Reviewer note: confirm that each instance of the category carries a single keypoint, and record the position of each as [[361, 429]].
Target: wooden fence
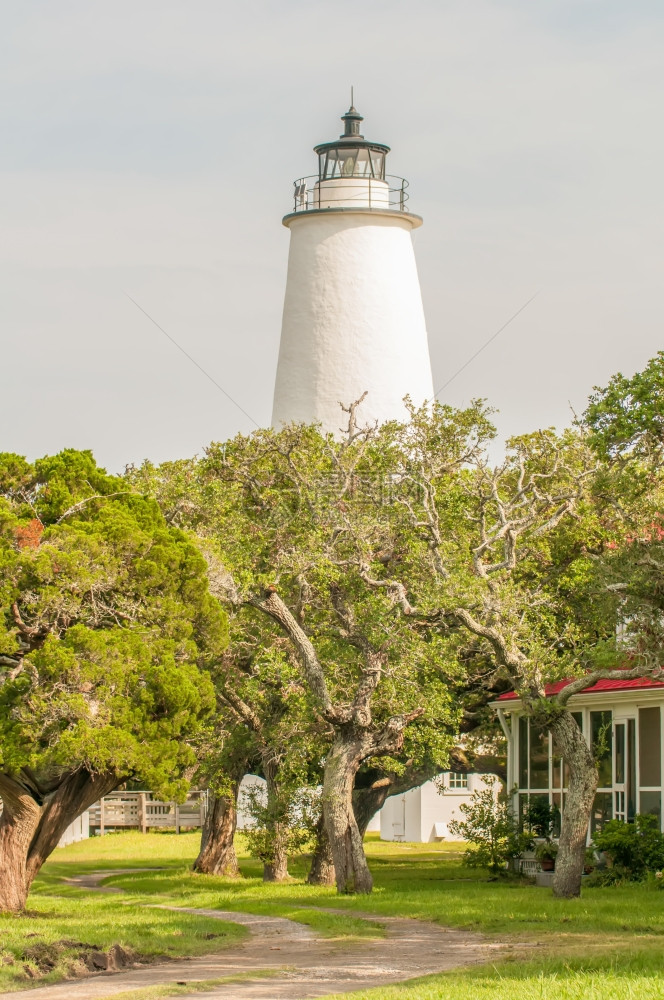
[[122, 810]]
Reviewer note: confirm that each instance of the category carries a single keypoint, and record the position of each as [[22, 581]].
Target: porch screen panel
[[556, 770], [620, 753], [523, 752], [539, 757], [650, 747], [631, 768], [602, 811], [651, 803], [601, 742]]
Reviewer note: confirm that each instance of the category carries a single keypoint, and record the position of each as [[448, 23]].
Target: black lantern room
[[351, 155]]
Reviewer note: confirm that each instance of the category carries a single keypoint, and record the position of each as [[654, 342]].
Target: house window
[[533, 755], [629, 759], [458, 780], [523, 751], [651, 804], [541, 770], [534, 751]]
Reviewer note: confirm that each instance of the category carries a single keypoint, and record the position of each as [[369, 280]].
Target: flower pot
[[547, 864]]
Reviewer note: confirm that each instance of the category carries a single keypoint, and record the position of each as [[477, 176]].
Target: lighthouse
[[353, 321]]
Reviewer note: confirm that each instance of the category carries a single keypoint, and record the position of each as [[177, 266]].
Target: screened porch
[[627, 743]]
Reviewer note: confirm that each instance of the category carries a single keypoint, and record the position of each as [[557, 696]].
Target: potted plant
[[546, 855]]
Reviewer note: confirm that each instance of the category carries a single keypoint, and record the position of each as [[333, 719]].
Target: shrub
[[491, 830], [632, 848], [603, 877], [290, 820]]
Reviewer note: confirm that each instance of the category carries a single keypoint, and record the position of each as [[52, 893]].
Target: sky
[[148, 153]]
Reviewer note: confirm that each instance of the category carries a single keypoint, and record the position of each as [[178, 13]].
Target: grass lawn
[[608, 944]]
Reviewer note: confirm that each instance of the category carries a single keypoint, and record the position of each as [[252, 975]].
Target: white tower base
[[353, 320]]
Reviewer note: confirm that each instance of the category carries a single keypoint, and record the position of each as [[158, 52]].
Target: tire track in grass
[[300, 964]]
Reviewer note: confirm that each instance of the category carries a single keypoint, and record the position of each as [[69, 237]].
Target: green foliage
[[626, 417], [321, 520], [632, 848], [491, 830], [105, 625], [291, 817]]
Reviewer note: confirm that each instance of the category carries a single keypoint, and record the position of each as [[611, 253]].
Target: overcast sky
[[149, 147]]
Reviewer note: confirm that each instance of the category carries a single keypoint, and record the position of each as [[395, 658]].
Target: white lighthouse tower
[[353, 320]]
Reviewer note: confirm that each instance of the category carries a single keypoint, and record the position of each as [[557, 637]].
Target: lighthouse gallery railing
[[313, 194]]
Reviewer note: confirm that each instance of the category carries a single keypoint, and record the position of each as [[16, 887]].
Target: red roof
[[604, 685]]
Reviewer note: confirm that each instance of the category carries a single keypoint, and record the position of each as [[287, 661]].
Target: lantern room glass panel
[[378, 164], [351, 161]]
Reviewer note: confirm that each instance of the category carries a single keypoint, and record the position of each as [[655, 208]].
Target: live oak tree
[[294, 523], [401, 562], [224, 756], [106, 625], [261, 689], [507, 557], [264, 723]]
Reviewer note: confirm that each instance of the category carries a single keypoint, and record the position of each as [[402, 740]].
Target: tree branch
[[581, 683], [273, 606], [74, 509]]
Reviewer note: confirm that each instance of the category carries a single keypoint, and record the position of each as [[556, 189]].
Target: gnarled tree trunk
[[276, 869], [18, 824], [572, 746], [350, 863], [33, 821], [217, 854], [356, 737], [322, 862]]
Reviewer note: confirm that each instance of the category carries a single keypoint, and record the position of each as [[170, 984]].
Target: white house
[[420, 815], [423, 814], [627, 715]]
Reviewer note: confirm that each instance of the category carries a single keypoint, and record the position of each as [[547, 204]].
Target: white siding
[[422, 815]]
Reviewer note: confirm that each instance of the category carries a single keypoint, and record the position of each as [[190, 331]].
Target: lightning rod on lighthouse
[[353, 320]]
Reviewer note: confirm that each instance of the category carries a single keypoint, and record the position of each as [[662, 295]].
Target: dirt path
[[309, 966]]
